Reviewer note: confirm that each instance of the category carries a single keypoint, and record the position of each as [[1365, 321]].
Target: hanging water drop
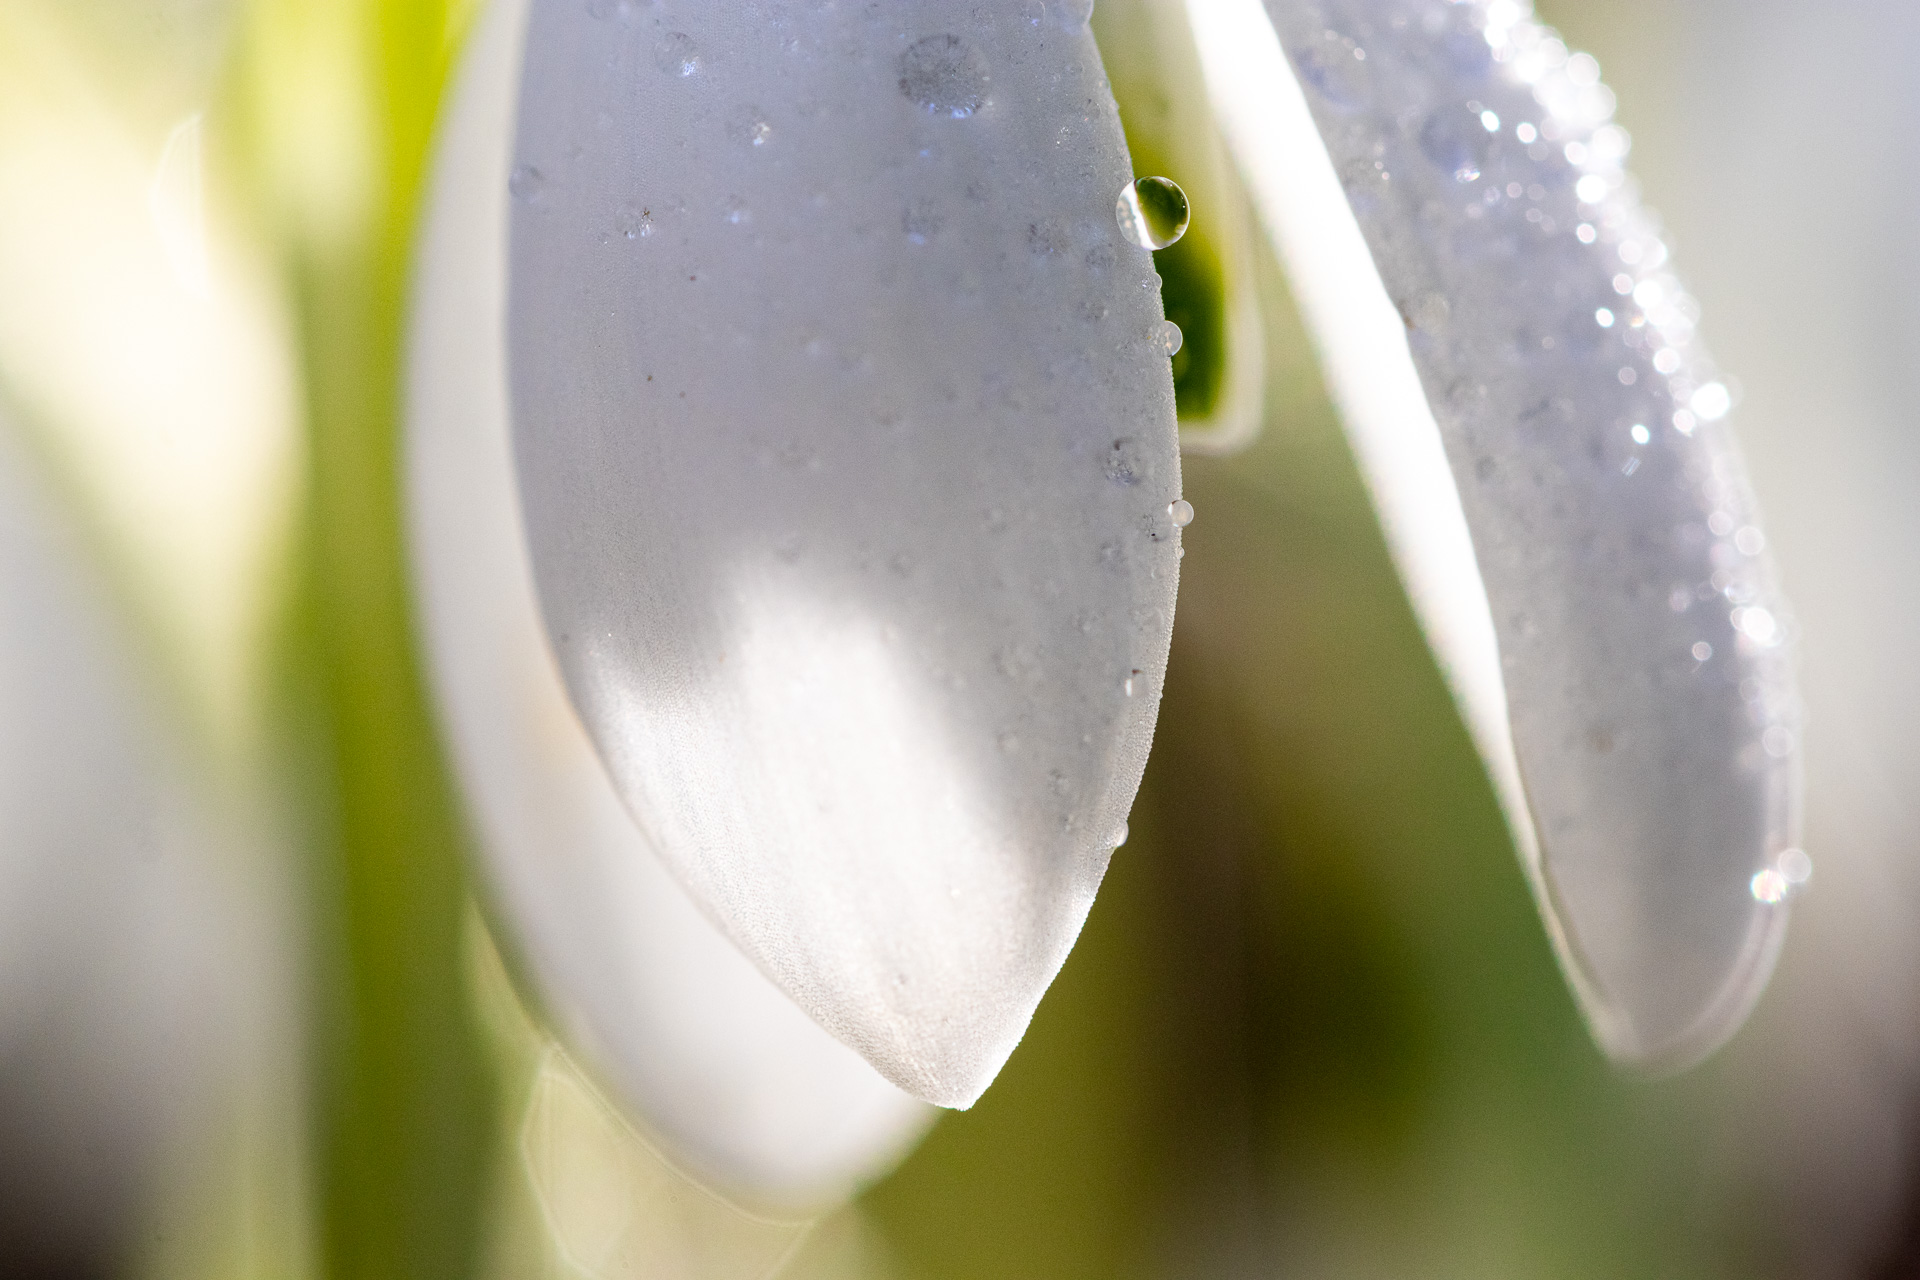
[[1120, 836], [1182, 512], [1152, 212], [1167, 338]]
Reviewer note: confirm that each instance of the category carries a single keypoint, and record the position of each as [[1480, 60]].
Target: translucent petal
[[1543, 434], [847, 455], [738, 1082], [115, 999]]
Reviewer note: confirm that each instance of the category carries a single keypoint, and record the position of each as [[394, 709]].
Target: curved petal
[[114, 942], [1585, 553], [846, 445], [738, 1081]]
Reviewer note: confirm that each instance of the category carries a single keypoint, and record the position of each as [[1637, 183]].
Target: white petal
[[114, 995], [847, 453], [738, 1082], [1580, 549]]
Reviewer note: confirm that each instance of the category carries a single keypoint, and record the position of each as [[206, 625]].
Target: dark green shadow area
[[1194, 296]]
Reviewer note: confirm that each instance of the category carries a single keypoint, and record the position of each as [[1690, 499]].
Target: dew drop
[[1770, 887], [1167, 338], [944, 74], [634, 224], [1456, 142], [1126, 462], [1795, 866], [525, 182], [1152, 212], [1182, 512], [677, 54], [1712, 401], [1120, 836]]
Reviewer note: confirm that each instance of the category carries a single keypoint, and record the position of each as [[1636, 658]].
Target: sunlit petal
[[846, 443], [1587, 560], [737, 1080]]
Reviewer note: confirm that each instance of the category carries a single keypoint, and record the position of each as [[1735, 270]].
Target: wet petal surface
[[846, 447], [1632, 694], [740, 1084]]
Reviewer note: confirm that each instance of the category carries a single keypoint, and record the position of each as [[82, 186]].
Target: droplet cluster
[[1642, 637]]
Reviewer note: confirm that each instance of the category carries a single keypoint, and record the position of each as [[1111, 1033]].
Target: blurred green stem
[[342, 96]]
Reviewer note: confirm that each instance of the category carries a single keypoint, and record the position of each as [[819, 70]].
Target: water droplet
[[944, 74], [1640, 433], [1126, 463], [1167, 337], [1795, 866], [525, 182], [1702, 651], [1120, 836], [1456, 141], [1770, 887], [749, 128], [1182, 512], [1152, 212], [1711, 402], [677, 54], [634, 224], [1757, 625]]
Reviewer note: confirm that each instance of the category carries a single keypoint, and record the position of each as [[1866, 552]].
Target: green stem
[[403, 1093]]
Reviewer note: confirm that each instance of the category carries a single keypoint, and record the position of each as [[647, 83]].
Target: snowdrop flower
[[847, 479]]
